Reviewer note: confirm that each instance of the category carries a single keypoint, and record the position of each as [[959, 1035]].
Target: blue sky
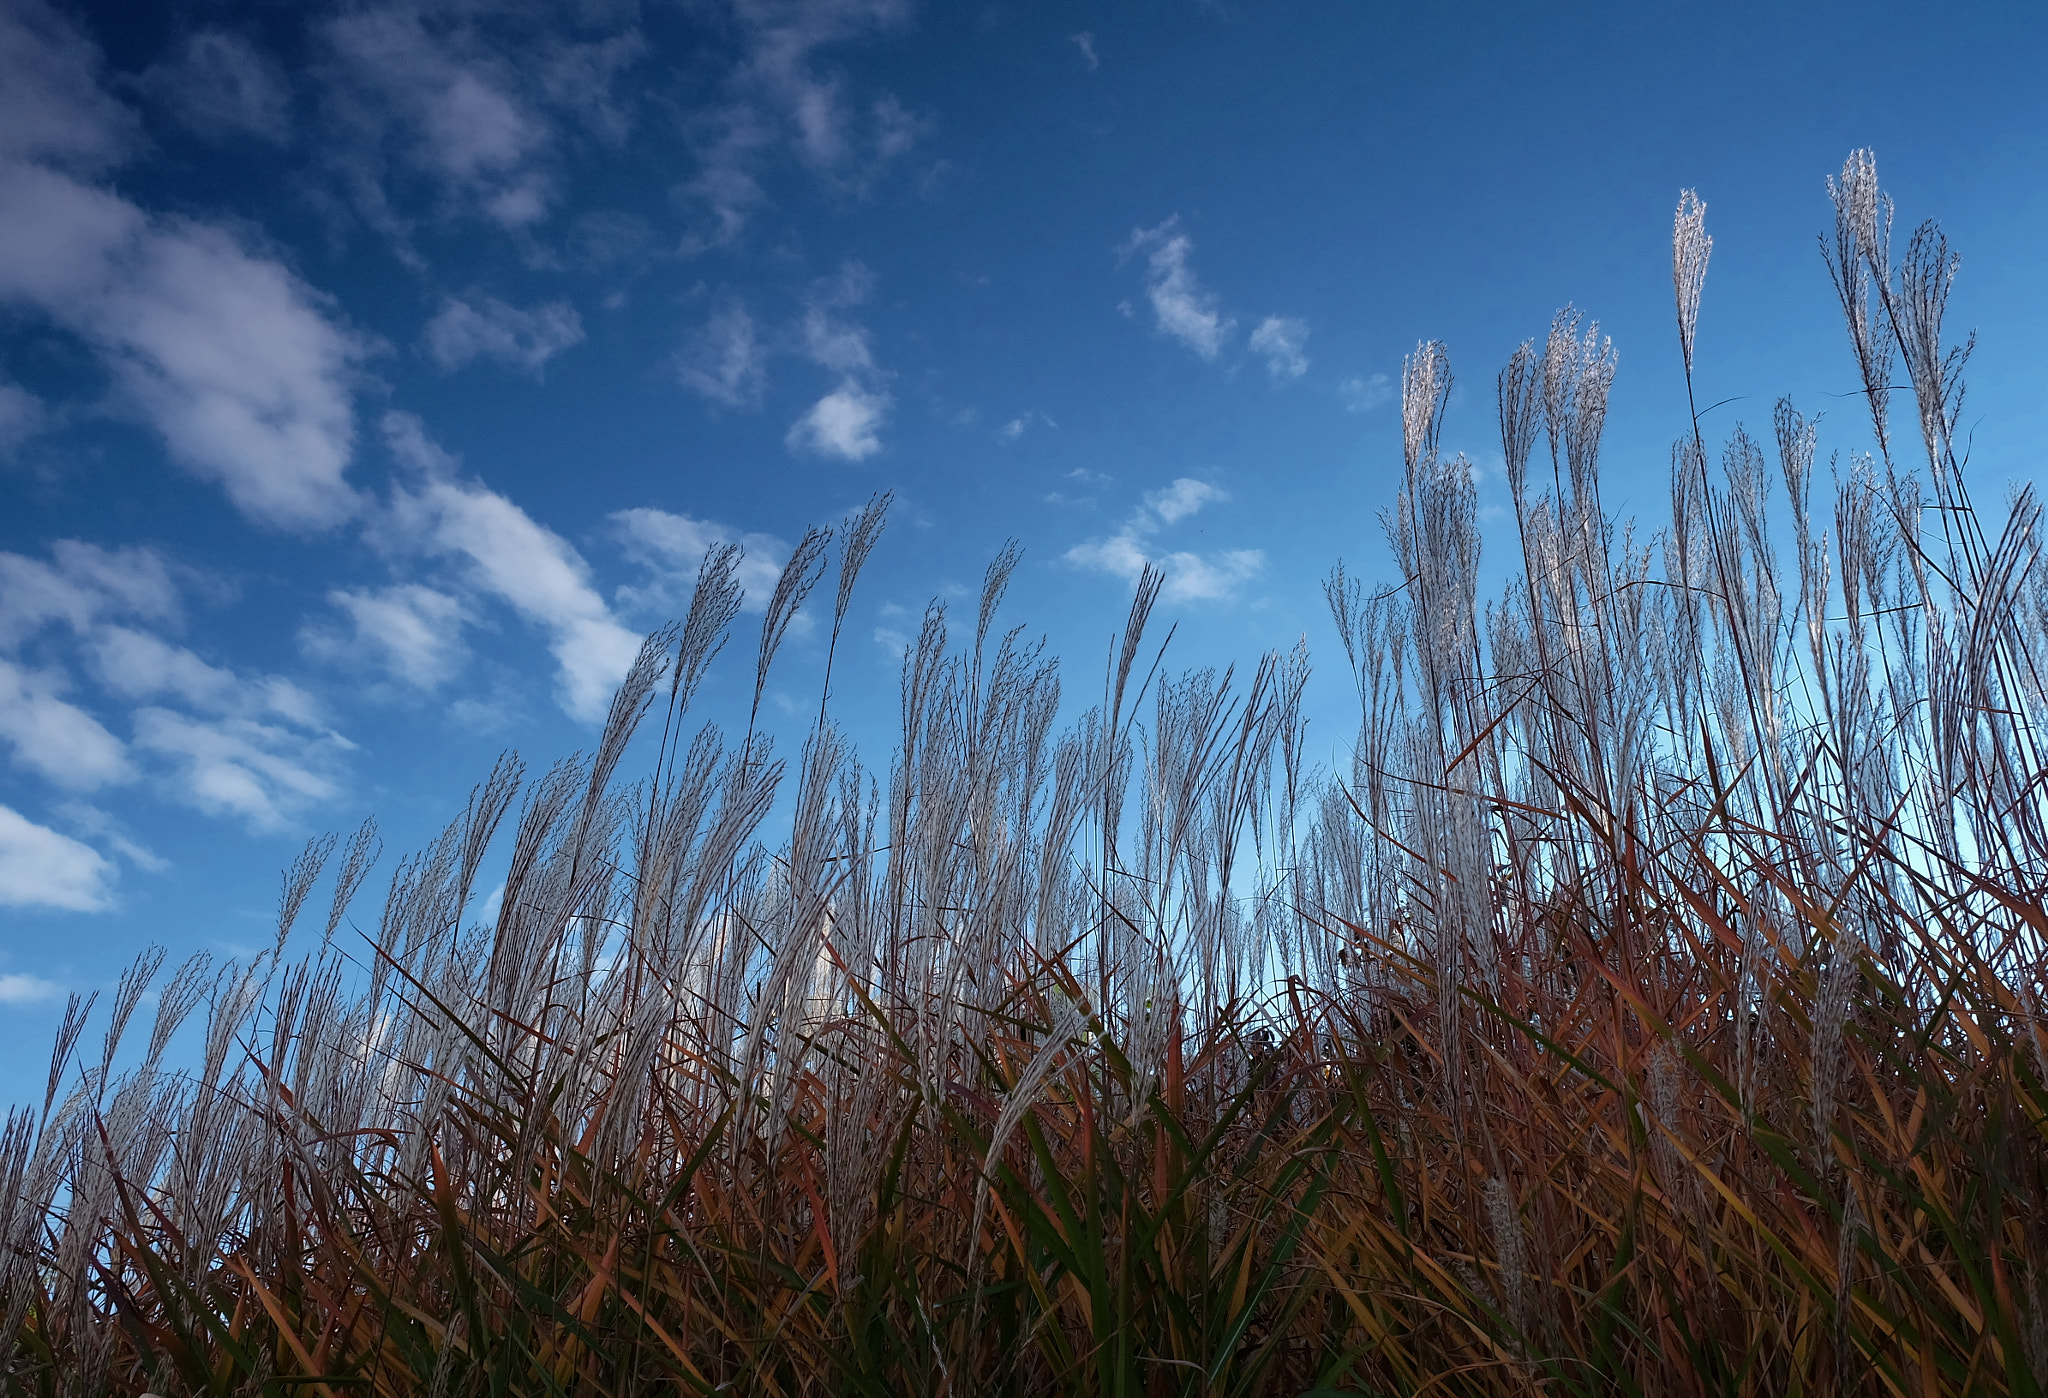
[[373, 374]]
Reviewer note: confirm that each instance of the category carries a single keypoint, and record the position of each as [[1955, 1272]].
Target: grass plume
[[1652, 1006]]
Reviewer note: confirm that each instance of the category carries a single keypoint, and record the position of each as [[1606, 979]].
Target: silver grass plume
[[1519, 385], [714, 602], [798, 577], [1925, 279], [76, 1009], [297, 883], [1690, 248], [363, 851], [1425, 386], [1859, 262], [127, 995]]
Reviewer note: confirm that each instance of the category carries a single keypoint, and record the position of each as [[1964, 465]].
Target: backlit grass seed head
[[1690, 248], [1044, 1061]]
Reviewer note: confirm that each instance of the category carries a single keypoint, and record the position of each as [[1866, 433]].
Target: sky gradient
[[373, 375]]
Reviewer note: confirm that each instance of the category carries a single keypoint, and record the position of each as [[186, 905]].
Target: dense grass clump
[[1653, 1007]]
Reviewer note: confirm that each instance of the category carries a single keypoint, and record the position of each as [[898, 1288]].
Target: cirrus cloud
[[221, 349], [42, 868], [1190, 576]]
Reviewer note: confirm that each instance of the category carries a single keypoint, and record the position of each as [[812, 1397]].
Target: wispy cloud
[[726, 360], [54, 108], [847, 421], [18, 989], [1361, 395], [1085, 42], [1190, 576], [21, 415], [81, 584], [516, 560], [1280, 340], [671, 546], [1017, 426], [53, 737], [223, 741], [1183, 307], [408, 631], [266, 774], [220, 86], [226, 353], [486, 328], [777, 103], [42, 868], [446, 108], [81, 590]]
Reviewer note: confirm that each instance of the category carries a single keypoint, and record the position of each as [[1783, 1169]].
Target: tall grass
[[1653, 1007]]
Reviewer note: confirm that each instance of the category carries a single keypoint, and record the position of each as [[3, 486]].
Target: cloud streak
[[226, 353], [1190, 576], [726, 360], [409, 632], [778, 104], [465, 331], [671, 546], [516, 560], [1279, 340], [1361, 395], [1182, 307], [16, 988], [846, 423]]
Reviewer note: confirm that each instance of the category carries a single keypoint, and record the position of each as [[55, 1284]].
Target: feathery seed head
[[1690, 248]]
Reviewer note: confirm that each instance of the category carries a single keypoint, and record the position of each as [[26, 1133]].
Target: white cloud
[[41, 868], [725, 361], [408, 631], [1183, 307], [1362, 395], [1017, 426], [223, 351], [17, 989], [1280, 340], [137, 665], [776, 103], [54, 737], [52, 106], [462, 109], [511, 557], [455, 107], [1181, 499], [220, 85], [843, 423], [21, 415], [253, 746], [836, 344], [671, 547], [465, 331], [263, 773], [88, 819], [1085, 42], [227, 354], [1190, 577], [85, 584], [829, 339]]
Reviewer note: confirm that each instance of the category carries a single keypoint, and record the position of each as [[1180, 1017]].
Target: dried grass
[[1654, 1006]]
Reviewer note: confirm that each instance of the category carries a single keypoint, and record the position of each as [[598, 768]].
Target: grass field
[[1652, 1007]]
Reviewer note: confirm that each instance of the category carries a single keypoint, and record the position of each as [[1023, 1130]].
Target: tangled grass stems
[[1653, 1007]]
